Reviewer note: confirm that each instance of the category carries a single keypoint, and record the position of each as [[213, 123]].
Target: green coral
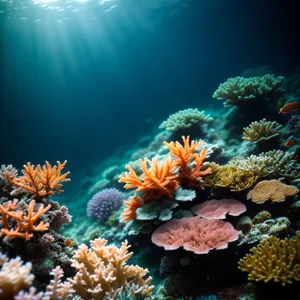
[[238, 90], [262, 130], [185, 119]]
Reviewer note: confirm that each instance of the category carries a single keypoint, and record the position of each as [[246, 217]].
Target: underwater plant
[[104, 203], [274, 259]]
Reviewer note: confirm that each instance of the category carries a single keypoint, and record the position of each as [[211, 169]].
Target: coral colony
[[209, 208]]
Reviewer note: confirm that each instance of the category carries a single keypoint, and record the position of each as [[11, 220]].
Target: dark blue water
[[81, 88]]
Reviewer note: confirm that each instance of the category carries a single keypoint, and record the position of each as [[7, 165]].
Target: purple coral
[[104, 203]]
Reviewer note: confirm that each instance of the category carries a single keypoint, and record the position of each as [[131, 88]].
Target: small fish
[[290, 107], [289, 143]]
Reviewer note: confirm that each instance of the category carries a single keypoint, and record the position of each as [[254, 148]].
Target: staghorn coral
[[104, 203], [14, 276], [190, 162], [260, 131], [194, 234], [40, 181], [230, 177], [239, 90], [274, 259], [156, 181], [273, 190], [217, 209], [185, 119], [25, 224]]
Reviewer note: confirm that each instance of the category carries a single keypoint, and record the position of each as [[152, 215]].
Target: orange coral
[[40, 181], [156, 181], [25, 224], [129, 213], [189, 162]]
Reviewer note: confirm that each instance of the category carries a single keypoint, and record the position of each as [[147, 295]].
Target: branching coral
[[102, 270], [274, 259], [14, 276], [189, 162], [262, 130], [272, 162], [185, 119], [194, 234], [25, 224], [230, 177], [273, 190], [157, 180], [40, 181], [129, 212], [236, 91]]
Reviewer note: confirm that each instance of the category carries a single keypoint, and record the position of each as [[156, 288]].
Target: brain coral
[[104, 203], [217, 209], [194, 234], [273, 190]]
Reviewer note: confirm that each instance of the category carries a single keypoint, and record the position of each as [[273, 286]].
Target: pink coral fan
[[217, 209], [194, 234]]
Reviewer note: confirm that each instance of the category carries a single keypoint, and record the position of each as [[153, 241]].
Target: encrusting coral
[[24, 224], [262, 130], [40, 181], [238, 90], [274, 259], [185, 119], [273, 190]]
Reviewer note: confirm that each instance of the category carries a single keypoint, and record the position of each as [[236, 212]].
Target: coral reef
[[274, 259]]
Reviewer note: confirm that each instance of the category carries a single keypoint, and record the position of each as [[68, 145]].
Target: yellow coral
[[102, 271], [230, 177], [273, 190], [274, 259]]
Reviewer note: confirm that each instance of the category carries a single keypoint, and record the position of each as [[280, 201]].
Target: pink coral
[[194, 234], [217, 209]]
